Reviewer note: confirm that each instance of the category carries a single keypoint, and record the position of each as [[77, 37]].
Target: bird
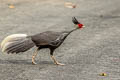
[[17, 43]]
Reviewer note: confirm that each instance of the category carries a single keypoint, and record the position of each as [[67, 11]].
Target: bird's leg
[[53, 58], [33, 57], [55, 61]]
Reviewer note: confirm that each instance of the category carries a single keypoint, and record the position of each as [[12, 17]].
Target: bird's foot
[[60, 64], [34, 63]]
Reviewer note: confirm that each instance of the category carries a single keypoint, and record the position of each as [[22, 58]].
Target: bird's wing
[[59, 39], [45, 38]]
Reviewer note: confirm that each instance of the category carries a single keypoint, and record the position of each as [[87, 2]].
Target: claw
[[34, 63], [60, 64]]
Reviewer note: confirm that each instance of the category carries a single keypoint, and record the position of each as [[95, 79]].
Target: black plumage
[[49, 39]]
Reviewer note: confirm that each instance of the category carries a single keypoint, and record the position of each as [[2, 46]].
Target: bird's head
[[78, 24]]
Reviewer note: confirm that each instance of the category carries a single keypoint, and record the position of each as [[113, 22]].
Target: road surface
[[87, 52]]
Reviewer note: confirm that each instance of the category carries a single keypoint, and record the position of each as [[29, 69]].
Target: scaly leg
[[55, 61], [33, 57]]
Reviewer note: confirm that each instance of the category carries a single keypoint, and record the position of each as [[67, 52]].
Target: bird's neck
[[72, 30], [69, 32]]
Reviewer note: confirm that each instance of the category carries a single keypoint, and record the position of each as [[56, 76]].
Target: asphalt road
[[86, 52]]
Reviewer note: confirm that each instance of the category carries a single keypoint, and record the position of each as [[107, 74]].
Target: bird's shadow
[[19, 62], [25, 62]]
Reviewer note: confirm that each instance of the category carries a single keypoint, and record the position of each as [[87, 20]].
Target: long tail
[[16, 43]]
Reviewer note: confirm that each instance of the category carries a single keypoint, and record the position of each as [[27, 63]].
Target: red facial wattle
[[80, 25]]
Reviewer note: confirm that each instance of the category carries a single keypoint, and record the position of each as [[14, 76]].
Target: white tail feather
[[8, 39]]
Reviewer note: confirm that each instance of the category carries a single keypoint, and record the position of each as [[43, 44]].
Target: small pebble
[[103, 74], [11, 6]]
